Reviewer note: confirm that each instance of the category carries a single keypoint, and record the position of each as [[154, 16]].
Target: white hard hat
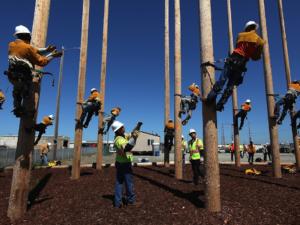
[[93, 89], [192, 131], [116, 126], [21, 30], [49, 143], [250, 23], [248, 101], [51, 117], [182, 136]]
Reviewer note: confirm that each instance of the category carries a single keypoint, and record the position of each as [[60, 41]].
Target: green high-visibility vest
[[119, 145], [195, 154], [183, 145]]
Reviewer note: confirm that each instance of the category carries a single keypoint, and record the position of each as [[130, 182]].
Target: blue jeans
[[44, 159], [124, 174]]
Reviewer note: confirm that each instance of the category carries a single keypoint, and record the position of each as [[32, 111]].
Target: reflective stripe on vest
[[119, 144], [193, 149]]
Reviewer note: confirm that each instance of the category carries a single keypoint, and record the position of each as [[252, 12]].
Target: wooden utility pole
[[212, 174], [102, 84], [61, 67], [81, 87], [288, 79], [269, 90], [178, 125], [167, 77], [21, 173], [236, 134]]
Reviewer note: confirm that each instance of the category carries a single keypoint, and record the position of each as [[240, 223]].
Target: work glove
[[135, 134], [56, 53], [50, 48], [132, 141]]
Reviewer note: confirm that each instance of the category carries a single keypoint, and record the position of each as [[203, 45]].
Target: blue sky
[[135, 72]]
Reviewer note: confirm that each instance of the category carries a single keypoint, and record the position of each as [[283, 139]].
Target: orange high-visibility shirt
[[296, 87], [194, 89], [24, 50], [2, 96], [246, 107], [95, 96], [47, 121], [170, 125], [115, 111], [249, 45]]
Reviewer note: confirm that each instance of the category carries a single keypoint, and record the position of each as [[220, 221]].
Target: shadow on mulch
[[35, 192], [192, 196], [263, 181], [86, 174], [169, 174]]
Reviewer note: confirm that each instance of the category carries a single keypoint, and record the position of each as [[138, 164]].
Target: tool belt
[[289, 100], [19, 70], [236, 64]]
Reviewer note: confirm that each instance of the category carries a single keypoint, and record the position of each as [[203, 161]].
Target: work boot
[[85, 125], [219, 107], [279, 122], [135, 204]]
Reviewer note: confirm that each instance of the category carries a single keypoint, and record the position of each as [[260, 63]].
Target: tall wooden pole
[[212, 176], [178, 126], [61, 67], [167, 75], [21, 173], [288, 79], [236, 137], [102, 84], [81, 87], [273, 129]]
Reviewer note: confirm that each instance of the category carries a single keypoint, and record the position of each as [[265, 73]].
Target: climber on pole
[[245, 108]]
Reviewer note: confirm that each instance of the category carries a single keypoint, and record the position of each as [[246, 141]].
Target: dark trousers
[[41, 128], [232, 74], [88, 110], [196, 171], [232, 156], [241, 114], [287, 102], [265, 156], [251, 157]]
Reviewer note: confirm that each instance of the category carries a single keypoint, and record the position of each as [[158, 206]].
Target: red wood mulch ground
[[245, 199]]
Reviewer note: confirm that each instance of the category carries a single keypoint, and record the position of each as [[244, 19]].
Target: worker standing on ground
[[2, 99], [232, 149], [245, 108], [169, 132], [90, 107], [43, 150], [41, 127], [108, 121], [249, 45], [287, 101], [251, 152], [195, 145], [269, 149], [183, 149], [23, 58], [189, 103], [123, 145]]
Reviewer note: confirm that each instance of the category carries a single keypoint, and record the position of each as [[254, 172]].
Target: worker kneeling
[[123, 145], [246, 107], [195, 146], [90, 107]]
